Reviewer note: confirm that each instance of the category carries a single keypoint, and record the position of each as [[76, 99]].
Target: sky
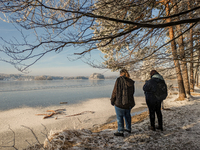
[[54, 64]]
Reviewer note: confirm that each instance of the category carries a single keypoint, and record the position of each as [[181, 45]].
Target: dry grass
[[113, 125]]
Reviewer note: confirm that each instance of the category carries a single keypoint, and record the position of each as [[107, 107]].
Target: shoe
[[152, 128], [126, 130], [159, 128], [119, 134]]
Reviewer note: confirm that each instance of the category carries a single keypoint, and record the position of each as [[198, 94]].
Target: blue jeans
[[121, 115]]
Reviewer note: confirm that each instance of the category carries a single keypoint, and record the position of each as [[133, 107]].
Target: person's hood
[[158, 76], [128, 80]]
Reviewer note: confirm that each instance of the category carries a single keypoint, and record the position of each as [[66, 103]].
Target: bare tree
[[127, 32], [61, 24], [182, 55], [182, 94]]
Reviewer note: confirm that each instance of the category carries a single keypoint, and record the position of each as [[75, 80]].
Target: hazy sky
[[52, 63]]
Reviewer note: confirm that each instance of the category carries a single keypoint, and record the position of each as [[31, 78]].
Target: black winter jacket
[[150, 87], [122, 95]]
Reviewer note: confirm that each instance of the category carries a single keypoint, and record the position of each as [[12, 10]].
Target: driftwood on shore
[[49, 115], [63, 102], [80, 113], [53, 112], [60, 111]]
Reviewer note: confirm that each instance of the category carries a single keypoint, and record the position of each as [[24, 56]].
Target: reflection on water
[[15, 94]]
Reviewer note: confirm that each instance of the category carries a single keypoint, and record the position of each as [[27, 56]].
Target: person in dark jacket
[[123, 100], [154, 105]]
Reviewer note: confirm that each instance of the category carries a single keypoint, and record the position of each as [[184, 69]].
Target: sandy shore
[[181, 121], [23, 121]]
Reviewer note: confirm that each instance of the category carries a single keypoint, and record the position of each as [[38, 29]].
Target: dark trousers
[[154, 107]]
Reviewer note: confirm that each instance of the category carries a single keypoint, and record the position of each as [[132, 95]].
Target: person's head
[[153, 72], [125, 73]]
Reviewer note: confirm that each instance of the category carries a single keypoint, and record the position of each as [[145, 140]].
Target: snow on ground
[[181, 131]]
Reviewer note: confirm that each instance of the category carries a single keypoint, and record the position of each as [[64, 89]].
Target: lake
[[44, 93]]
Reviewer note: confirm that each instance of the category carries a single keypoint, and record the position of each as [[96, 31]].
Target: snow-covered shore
[[181, 131], [16, 124], [181, 128]]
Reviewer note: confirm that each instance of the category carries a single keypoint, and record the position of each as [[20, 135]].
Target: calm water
[[15, 94]]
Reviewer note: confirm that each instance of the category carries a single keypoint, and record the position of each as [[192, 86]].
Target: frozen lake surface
[[44, 93]]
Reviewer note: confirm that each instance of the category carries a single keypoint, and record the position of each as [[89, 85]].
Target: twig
[[49, 115], [58, 111], [45, 133], [33, 135], [79, 120], [28, 143], [54, 111], [80, 113], [41, 114], [13, 140], [63, 102]]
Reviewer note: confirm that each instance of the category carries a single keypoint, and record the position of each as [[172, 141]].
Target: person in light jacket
[[123, 100]]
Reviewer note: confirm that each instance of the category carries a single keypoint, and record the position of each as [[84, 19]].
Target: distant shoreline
[[21, 77]]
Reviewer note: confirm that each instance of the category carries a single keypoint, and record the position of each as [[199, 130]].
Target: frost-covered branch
[[116, 28]]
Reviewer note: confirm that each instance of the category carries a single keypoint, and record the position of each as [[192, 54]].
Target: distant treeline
[[22, 77]]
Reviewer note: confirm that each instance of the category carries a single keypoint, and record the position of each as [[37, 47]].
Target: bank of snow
[[181, 131]]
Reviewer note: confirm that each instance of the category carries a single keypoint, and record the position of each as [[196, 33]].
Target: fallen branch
[[49, 115], [63, 102], [60, 110], [54, 112], [41, 114], [80, 113]]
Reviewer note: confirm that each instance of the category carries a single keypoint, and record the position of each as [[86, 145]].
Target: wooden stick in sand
[[49, 115], [41, 114], [58, 111], [80, 113], [63, 102]]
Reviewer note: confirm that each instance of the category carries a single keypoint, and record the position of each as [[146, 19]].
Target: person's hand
[[112, 103]]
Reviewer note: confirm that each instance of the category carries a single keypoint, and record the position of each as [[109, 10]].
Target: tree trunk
[[191, 63], [196, 75], [191, 56], [197, 69], [183, 62], [182, 94], [183, 59]]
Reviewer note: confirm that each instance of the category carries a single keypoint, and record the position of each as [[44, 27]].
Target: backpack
[[161, 91]]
